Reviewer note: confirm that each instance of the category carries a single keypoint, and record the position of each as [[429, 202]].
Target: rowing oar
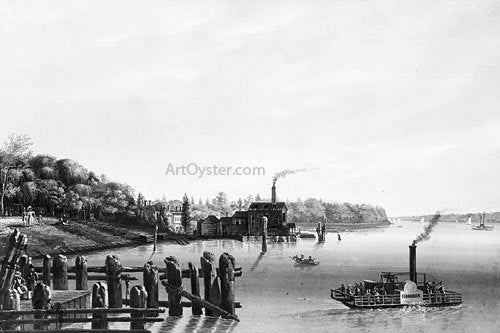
[[198, 300]]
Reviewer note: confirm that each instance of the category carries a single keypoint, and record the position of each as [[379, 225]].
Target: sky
[[391, 103]]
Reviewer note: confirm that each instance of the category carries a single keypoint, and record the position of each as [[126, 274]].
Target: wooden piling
[[10, 269], [47, 263], [12, 302], [113, 270], [60, 272], [139, 300], [226, 273], [155, 237], [150, 279], [99, 300], [13, 241], [210, 284], [264, 234], [81, 273], [24, 266], [174, 280], [205, 304], [41, 300], [195, 289]]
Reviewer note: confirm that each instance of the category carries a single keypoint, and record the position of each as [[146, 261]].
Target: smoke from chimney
[[283, 173], [426, 234]]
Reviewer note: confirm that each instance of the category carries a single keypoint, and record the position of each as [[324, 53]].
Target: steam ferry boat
[[399, 290]]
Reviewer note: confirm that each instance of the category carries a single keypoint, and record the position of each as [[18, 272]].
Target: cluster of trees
[[57, 186], [300, 211], [63, 186], [313, 210]]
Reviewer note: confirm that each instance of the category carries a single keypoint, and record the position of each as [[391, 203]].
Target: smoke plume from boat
[[426, 234]]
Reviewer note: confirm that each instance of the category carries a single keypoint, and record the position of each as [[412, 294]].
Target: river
[[278, 296]]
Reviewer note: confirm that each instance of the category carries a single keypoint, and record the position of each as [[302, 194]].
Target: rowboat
[[305, 261]]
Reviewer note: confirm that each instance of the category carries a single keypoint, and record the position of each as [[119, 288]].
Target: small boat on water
[[395, 290], [305, 261], [481, 225], [303, 235], [469, 221]]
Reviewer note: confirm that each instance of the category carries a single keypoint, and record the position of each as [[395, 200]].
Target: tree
[[248, 200], [233, 206], [186, 213], [13, 155], [257, 197], [71, 172], [240, 204], [220, 203], [315, 208]]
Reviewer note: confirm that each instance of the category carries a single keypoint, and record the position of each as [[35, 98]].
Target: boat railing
[[337, 294], [366, 300], [370, 300], [444, 298], [448, 297]]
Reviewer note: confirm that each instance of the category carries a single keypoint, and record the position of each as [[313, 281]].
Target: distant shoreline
[[340, 227]]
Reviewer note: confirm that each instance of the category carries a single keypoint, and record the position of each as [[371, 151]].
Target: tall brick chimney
[[273, 192]]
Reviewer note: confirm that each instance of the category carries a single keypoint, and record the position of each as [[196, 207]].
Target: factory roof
[[266, 205]]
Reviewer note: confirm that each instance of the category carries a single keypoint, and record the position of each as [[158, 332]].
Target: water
[[276, 295]]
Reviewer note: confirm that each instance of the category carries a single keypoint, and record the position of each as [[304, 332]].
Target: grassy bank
[[50, 237]]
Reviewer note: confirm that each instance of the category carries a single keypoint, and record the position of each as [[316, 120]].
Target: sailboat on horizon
[[482, 226], [469, 221]]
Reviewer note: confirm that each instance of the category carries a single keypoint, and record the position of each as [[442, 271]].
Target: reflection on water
[[256, 263], [318, 246], [276, 293], [198, 324]]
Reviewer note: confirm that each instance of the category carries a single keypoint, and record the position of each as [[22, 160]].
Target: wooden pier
[[52, 309], [68, 299]]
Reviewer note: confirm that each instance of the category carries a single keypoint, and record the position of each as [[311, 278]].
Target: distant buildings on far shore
[[241, 223], [249, 222]]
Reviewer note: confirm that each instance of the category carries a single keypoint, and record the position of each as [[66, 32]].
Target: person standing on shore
[[30, 216]]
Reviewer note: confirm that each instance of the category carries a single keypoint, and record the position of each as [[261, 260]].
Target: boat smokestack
[[273, 192], [413, 263]]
